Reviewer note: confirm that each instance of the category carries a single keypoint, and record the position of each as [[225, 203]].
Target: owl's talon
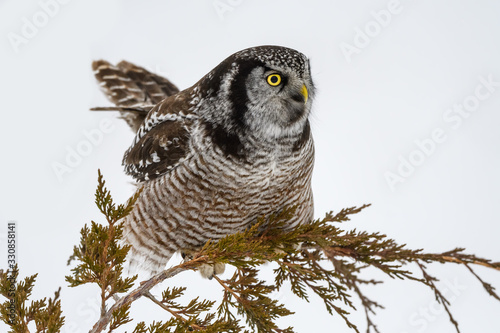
[[208, 271]]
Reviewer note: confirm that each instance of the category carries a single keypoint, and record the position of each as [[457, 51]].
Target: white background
[[369, 110]]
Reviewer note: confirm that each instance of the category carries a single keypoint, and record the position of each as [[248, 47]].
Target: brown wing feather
[[158, 151], [131, 86], [162, 140], [155, 87]]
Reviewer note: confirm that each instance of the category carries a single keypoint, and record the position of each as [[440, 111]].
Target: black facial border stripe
[[238, 95]]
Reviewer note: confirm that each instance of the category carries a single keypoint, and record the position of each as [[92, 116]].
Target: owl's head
[[264, 91]]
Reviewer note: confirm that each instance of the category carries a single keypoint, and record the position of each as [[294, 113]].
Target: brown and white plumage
[[132, 89], [216, 156]]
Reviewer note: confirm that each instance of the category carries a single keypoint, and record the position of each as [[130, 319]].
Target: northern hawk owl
[[216, 156]]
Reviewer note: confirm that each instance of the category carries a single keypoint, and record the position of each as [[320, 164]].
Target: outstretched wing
[[162, 140], [133, 89]]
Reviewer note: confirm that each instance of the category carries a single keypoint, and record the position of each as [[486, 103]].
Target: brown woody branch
[[169, 310], [143, 290], [145, 287]]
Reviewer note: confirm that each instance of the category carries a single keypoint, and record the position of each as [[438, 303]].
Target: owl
[[215, 157]]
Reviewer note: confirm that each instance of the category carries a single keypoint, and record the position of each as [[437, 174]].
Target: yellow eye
[[274, 80]]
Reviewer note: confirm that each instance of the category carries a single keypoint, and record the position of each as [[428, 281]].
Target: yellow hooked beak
[[304, 93]]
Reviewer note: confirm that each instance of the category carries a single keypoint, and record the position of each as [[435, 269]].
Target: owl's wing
[[133, 89], [162, 140]]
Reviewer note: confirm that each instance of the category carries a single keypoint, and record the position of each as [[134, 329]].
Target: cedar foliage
[[18, 313], [100, 257], [318, 258]]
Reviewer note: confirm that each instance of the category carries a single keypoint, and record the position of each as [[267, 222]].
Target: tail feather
[[145, 265], [155, 87], [133, 89]]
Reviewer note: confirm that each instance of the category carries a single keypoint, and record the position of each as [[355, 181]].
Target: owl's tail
[[145, 265], [133, 90]]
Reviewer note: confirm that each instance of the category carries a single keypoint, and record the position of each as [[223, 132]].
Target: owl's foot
[[208, 271]]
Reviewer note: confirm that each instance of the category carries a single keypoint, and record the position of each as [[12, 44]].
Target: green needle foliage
[[319, 258], [17, 312], [302, 256], [100, 256]]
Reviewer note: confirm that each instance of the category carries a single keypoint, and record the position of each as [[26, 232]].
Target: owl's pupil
[[274, 79]]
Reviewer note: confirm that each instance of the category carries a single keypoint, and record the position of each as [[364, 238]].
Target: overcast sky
[[406, 117]]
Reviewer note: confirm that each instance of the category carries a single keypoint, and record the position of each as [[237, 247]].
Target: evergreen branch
[[15, 311], [429, 280], [100, 255], [458, 257], [176, 314], [140, 291], [251, 301], [120, 316], [155, 327], [301, 254], [48, 318], [298, 254], [487, 286]]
